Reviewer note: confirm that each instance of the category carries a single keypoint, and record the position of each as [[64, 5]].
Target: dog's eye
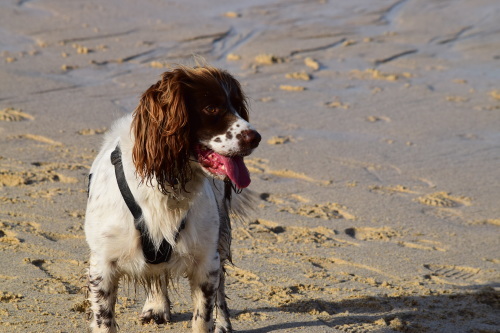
[[211, 109]]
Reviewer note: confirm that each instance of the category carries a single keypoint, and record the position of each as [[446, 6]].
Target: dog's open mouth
[[231, 166]]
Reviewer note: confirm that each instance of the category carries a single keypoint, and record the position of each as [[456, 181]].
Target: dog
[[159, 196]]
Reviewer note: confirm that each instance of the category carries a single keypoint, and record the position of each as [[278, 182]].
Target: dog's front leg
[[157, 306], [103, 286], [204, 284], [223, 324]]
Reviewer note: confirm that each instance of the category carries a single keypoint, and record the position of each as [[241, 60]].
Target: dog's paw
[[159, 317]]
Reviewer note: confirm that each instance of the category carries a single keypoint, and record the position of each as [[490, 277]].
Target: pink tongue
[[236, 170]]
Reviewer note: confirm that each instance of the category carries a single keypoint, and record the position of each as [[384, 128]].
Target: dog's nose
[[251, 138]]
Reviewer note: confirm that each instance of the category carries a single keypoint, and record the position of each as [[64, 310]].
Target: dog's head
[[196, 112]]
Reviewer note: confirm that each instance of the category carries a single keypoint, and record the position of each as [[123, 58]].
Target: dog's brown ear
[[160, 128]]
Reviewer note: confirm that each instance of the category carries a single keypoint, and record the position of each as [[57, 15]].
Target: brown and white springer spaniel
[[159, 194]]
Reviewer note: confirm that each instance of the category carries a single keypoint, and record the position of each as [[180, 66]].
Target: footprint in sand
[[90, 131], [312, 63], [11, 114], [288, 87], [7, 297], [392, 189], [374, 119], [454, 275], [36, 173], [294, 297], [259, 231], [369, 234], [325, 211], [16, 179], [387, 234], [296, 204], [244, 276], [251, 316], [268, 59], [40, 138], [8, 178], [260, 166], [375, 326], [443, 199], [283, 199], [304, 76], [423, 244], [279, 140], [62, 275], [268, 231], [487, 221], [376, 74], [365, 305], [337, 104], [8, 237]]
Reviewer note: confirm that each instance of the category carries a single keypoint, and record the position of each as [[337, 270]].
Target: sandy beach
[[378, 176]]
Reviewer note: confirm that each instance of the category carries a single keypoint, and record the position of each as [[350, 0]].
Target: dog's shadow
[[466, 310]]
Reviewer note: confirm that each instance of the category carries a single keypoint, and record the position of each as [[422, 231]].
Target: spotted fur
[[186, 108]]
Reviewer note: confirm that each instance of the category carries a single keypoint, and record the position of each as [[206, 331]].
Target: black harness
[[151, 255]]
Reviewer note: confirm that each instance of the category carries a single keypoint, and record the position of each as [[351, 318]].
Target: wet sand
[[378, 174]]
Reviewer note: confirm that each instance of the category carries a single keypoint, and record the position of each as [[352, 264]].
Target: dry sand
[[378, 174]]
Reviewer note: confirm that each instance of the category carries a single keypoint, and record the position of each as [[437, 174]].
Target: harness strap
[[88, 186], [151, 255]]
